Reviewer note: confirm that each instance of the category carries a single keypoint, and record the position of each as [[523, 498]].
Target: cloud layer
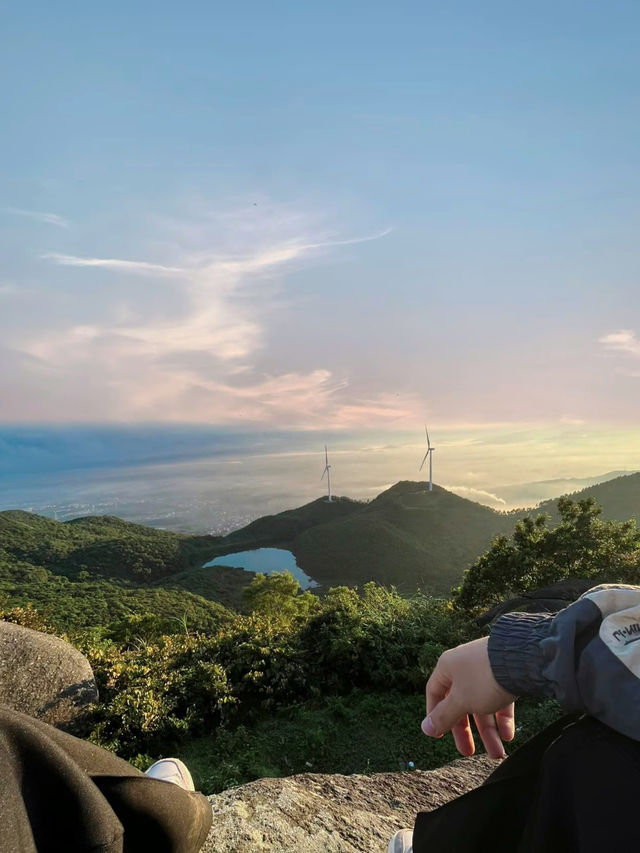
[[624, 340], [182, 340], [39, 216]]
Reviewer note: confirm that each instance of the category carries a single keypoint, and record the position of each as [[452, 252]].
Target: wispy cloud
[[623, 340], [190, 349], [351, 241], [479, 495], [382, 409], [272, 256], [40, 216], [141, 267]]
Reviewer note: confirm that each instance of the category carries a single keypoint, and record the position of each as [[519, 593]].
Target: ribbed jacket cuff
[[515, 655]]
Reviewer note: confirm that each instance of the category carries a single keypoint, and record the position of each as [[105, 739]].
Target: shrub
[[581, 546]]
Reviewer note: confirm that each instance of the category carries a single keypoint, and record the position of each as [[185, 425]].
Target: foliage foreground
[[294, 682]]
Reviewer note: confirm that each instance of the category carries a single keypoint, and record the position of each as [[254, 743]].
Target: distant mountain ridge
[[619, 498], [531, 494], [406, 536]]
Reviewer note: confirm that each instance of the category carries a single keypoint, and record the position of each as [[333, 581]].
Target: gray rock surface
[[313, 813], [44, 677]]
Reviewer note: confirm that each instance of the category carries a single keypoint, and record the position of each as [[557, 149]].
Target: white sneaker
[[175, 771], [402, 842]]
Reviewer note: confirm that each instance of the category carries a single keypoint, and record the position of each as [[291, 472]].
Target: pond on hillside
[[265, 561]]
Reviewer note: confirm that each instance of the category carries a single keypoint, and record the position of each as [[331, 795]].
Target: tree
[[278, 597], [581, 546]]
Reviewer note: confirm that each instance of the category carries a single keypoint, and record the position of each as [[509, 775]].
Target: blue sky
[[296, 215]]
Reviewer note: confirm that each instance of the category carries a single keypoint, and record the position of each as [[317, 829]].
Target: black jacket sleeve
[[587, 656]]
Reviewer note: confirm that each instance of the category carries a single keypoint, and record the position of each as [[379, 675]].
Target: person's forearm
[[587, 656]]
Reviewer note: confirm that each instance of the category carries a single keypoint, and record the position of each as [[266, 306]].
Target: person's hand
[[461, 684]]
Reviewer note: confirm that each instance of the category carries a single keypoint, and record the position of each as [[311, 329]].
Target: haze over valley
[[213, 481]]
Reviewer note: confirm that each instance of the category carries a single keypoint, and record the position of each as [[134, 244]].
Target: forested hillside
[[407, 536], [92, 571], [252, 691], [619, 499], [101, 545]]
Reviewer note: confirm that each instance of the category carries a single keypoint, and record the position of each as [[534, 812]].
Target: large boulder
[[44, 677], [313, 813]]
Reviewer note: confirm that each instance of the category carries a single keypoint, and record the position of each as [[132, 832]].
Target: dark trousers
[[574, 788], [59, 794]]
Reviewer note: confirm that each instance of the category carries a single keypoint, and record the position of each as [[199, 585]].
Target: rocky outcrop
[[313, 813], [44, 677]]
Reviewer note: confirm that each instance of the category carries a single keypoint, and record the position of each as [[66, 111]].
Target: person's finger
[[488, 732], [463, 736], [443, 716], [505, 718], [437, 688]]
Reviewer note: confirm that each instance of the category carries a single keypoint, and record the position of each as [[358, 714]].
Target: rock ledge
[[314, 813]]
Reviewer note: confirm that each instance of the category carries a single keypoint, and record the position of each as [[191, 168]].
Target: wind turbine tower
[[429, 453], [327, 471]]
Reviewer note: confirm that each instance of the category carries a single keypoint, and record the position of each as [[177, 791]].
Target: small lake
[[265, 561]]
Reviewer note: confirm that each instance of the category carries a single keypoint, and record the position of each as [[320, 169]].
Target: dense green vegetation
[[406, 537], [67, 605], [619, 499], [274, 680], [223, 584], [582, 545], [363, 732], [99, 546], [293, 648], [332, 685], [93, 571], [286, 526]]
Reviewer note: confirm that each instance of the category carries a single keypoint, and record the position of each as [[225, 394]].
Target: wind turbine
[[327, 471], [429, 453]]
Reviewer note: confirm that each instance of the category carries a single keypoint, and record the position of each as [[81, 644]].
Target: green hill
[[407, 536], [92, 571], [619, 499], [101, 545], [286, 526], [222, 584]]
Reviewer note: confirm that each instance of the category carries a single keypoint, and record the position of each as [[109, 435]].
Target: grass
[[361, 733]]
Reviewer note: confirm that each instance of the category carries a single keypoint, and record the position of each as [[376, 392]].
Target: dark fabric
[[516, 653], [573, 788], [59, 793]]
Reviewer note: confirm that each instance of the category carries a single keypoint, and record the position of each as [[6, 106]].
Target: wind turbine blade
[[326, 455], [424, 460], [427, 432]]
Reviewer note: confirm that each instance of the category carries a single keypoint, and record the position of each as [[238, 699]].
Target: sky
[[336, 215]]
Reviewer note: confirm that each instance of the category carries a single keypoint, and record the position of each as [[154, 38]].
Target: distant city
[[234, 479]]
